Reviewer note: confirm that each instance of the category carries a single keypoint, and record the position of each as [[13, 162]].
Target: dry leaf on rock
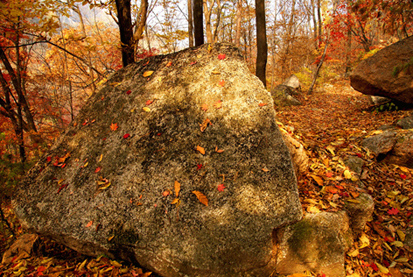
[[204, 107], [200, 150], [147, 73], [218, 104], [175, 201], [262, 104], [221, 57], [201, 197], [177, 187], [89, 224], [218, 150], [205, 124], [221, 83], [146, 109], [114, 126]]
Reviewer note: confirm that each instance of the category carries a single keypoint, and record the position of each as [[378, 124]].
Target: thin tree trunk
[[198, 23], [320, 22], [190, 24], [318, 69], [238, 25], [261, 41], [216, 25], [123, 8]]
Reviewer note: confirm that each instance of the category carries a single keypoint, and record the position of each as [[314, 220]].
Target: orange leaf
[[265, 169], [204, 107], [177, 188], [221, 187], [221, 83], [204, 124], [318, 180], [89, 224], [218, 150], [218, 104], [148, 102], [201, 197], [200, 150], [169, 64], [147, 73], [262, 104], [221, 57], [114, 126]]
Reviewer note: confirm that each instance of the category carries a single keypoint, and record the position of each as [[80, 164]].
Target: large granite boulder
[[177, 163], [387, 73]]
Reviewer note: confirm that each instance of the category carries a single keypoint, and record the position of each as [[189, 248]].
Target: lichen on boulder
[[177, 163]]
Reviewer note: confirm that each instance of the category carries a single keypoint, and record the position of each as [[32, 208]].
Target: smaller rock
[[408, 241], [406, 123], [22, 248], [379, 100], [360, 212], [316, 243], [282, 96], [293, 82], [402, 153], [380, 143], [354, 164]]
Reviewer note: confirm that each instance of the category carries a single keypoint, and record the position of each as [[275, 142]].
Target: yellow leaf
[[265, 169], [177, 188], [298, 275], [82, 265], [111, 238], [376, 132], [105, 186], [101, 157], [176, 200], [115, 84], [146, 109], [354, 275], [317, 179], [331, 149], [353, 253], [401, 235], [402, 260], [313, 210], [382, 268], [147, 73], [85, 164], [347, 174], [116, 264], [364, 241], [200, 150], [201, 197], [397, 243], [216, 72]]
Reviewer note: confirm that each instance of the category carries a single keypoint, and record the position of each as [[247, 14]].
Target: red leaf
[[198, 166], [403, 176], [386, 263], [192, 63], [329, 174], [393, 211], [262, 104], [98, 169], [48, 159], [148, 102], [221, 83], [358, 155], [125, 136], [159, 134], [169, 64], [388, 239], [128, 92], [62, 187], [221, 187], [221, 57], [374, 267]]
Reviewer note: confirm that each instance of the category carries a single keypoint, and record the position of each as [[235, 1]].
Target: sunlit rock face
[[387, 73], [177, 163]]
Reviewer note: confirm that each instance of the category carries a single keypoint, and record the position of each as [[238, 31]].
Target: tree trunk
[[190, 24], [216, 25], [140, 23], [198, 23], [123, 8], [320, 22], [208, 13], [310, 90], [261, 41], [238, 26]]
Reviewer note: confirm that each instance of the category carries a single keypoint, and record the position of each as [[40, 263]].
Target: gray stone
[[24, 247], [381, 143], [317, 243], [283, 96], [406, 123], [379, 100], [293, 82], [408, 241], [113, 192], [387, 73], [360, 211], [355, 164]]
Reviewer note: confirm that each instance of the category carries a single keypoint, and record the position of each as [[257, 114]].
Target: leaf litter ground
[[330, 124]]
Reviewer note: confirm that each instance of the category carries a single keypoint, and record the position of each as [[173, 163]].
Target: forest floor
[[330, 124]]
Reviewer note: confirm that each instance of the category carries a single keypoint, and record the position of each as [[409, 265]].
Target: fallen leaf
[[111, 238], [221, 187], [200, 150], [175, 201], [148, 102], [169, 64], [204, 107], [201, 197], [401, 235], [348, 174], [128, 92], [48, 159], [147, 73], [382, 268], [265, 169], [192, 63], [216, 72], [221, 57], [331, 189], [218, 104], [177, 187], [329, 174], [393, 211], [205, 124], [313, 209], [198, 166], [403, 176], [218, 150], [98, 169], [89, 224], [318, 180], [262, 104], [125, 136], [146, 109], [364, 240], [165, 193], [100, 158], [353, 253], [221, 83], [62, 187]]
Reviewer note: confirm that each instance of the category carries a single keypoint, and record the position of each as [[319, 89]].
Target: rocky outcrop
[[406, 122], [177, 163], [387, 73], [283, 96], [293, 82]]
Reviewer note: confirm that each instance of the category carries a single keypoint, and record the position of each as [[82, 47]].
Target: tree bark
[[190, 24], [238, 25], [123, 8], [261, 41], [198, 23]]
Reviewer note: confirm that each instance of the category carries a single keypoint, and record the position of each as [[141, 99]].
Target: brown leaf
[[200, 150], [204, 124], [177, 187], [201, 197]]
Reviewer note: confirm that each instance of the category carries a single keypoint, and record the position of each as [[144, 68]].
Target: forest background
[[55, 54]]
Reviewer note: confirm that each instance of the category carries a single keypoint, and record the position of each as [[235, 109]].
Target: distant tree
[[261, 41], [198, 23]]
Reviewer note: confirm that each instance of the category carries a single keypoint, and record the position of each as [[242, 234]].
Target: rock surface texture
[[283, 96], [387, 73], [177, 163]]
